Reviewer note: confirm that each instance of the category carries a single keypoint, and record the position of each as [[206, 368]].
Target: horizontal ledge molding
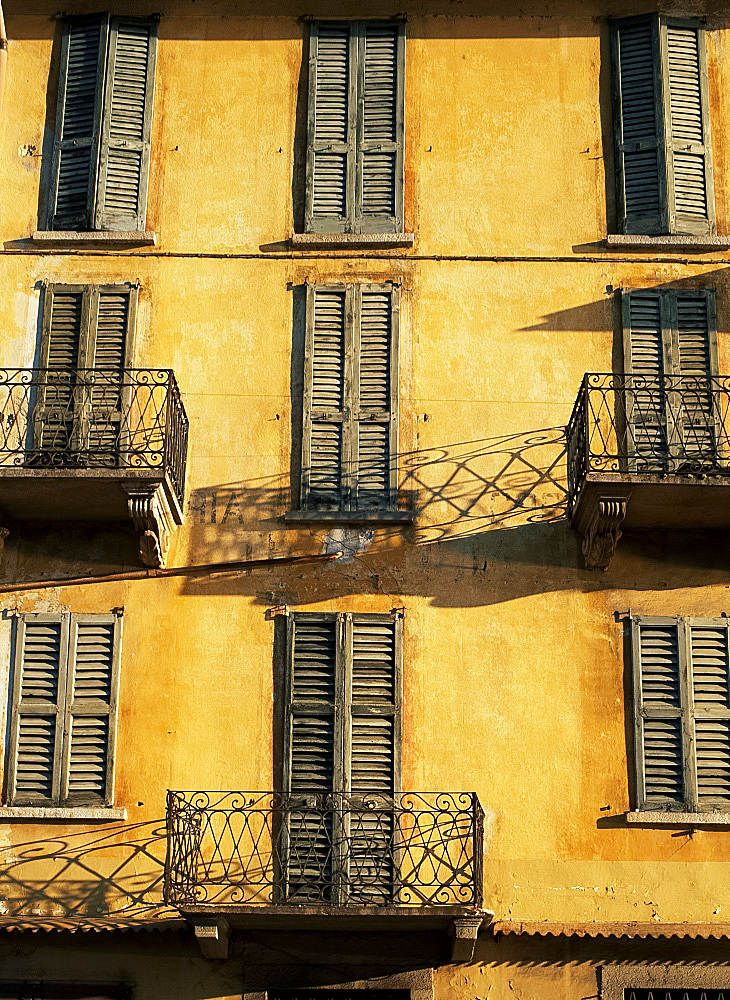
[[621, 241], [103, 813], [345, 241], [99, 239], [677, 819], [352, 516]]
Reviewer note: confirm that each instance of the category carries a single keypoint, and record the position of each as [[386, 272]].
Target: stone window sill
[[348, 241], [701, 244], [69, 238], [351, 516], [677, 819], [66, 813]]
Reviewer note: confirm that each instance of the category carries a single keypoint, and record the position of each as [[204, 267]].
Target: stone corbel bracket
[[153, 519], [463, 933], [212, 936], [601, 529]]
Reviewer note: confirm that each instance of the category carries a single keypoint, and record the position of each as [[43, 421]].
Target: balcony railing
[[641, 426], [93, 418], [415, 849]]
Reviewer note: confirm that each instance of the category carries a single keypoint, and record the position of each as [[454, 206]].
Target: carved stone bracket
[[463, 932], [603, 530], [151, 515], [212, 936]]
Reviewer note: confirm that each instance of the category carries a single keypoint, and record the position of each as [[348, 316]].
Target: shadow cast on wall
[[114, 873]]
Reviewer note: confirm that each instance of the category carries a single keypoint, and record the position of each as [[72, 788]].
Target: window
[[674, 417], [101, 151], [355, 128], [85, 345], [342, 754], [62, 727], [350, 406], [683, 981], [682, 713], [662, 126]]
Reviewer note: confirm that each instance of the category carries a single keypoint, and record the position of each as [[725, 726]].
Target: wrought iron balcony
[[647, 452], [93, 444], [242, 852]]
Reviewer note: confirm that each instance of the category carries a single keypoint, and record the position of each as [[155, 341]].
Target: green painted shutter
[[350, 406], [312, 753], [687, 128], [662, 126], [112, 316], [696, 361], [331, 128], [638, 126], [325, 406], [65, 326], [355, 137], [78, 123], [647, 353], [373, 740], [36, 728], [379, 179], [127, 125], [711, 710], [660, 761], [91, 700], [375, 406]]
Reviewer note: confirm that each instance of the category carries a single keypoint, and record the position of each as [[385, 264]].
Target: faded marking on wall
[[216, 507]]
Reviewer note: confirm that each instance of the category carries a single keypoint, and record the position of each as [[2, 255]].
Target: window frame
[[686, 713], [64, 711], [666, 221], [95, 219], [349, 469], [355, 223], [613, 979]]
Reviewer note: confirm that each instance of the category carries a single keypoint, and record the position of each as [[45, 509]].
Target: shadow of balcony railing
[[131, 420], [414, 849]]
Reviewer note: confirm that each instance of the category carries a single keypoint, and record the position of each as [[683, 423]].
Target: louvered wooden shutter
[[375, 406], [373, 740], [127, 125], [112, 315], [63, 347], [325, 461], [661, 123], [689, 160], [658, 698], [39, 688], [330, 206], [711, 710], [350, 406], [379, 201], [91, 699], [66, 680], [312, 757], [355, 128], [78, 123], [670, 341]]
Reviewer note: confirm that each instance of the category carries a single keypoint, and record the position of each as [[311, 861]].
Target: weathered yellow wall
[[515, 681]]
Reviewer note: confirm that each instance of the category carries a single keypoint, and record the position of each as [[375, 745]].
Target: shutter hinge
[[279, 609], [398, 612]]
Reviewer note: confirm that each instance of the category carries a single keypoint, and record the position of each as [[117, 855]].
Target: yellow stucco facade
[[516, 680]]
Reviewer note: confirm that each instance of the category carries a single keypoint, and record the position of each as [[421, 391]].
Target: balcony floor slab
[[336, 918]]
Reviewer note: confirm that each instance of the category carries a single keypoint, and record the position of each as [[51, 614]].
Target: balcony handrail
[[656, 425], [369, 849], [92, 418]]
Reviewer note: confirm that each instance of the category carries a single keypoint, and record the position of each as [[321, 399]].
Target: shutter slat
[[54, 413], [663, 760], [661, 736], [331, 125], [41, 657], [373, 662], [373, 443], [327, 397], [35, 755], [314, 661], [686, 122], [88, 756], [695, 365], [712, 749], [646, 403], [94, 661], [379, 99], [105, 394], [711, 693], [371, 761], [659, 666]]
